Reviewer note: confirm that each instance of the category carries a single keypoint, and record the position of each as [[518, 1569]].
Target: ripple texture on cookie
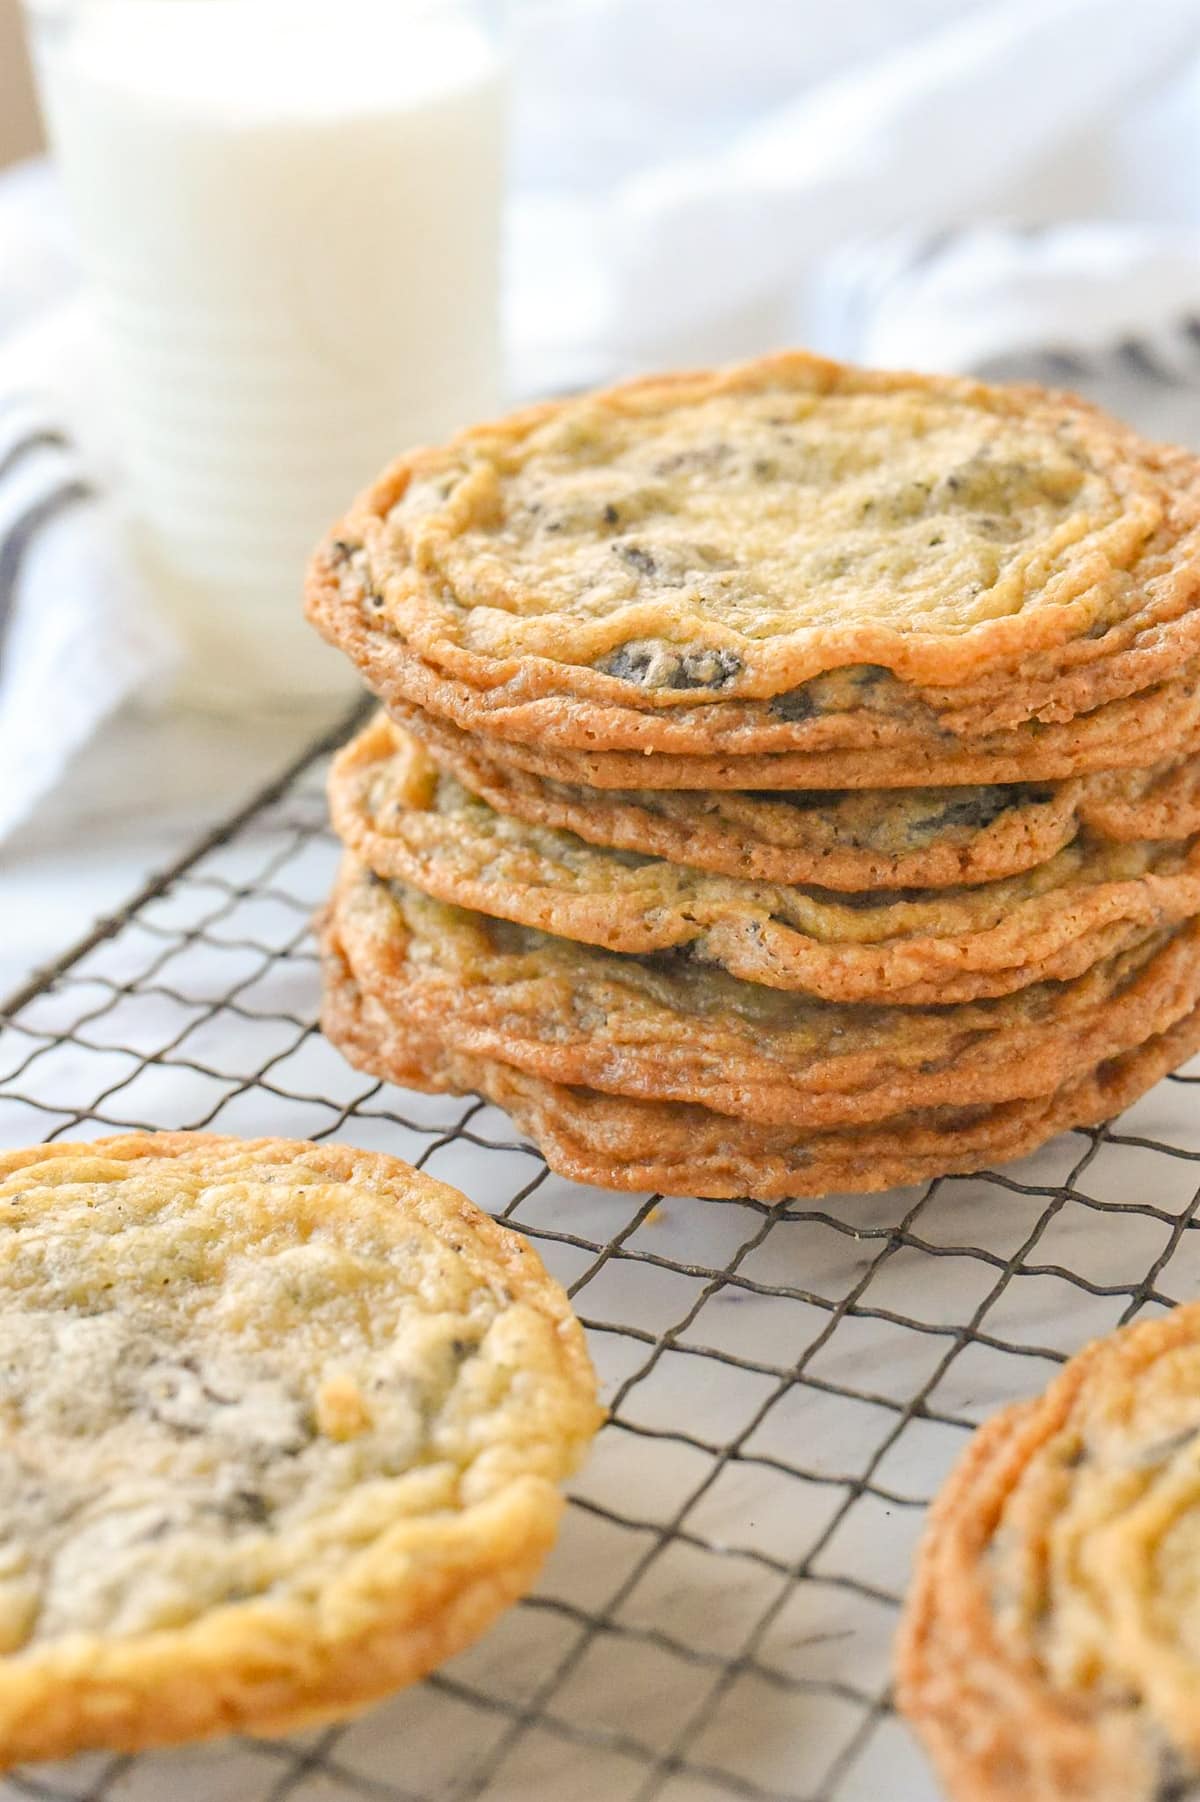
[[846, 839], [664, 1028], [623, 1142], [791, 556], [789, 778], [407, 819], [1048, 1651], [282, 1429]]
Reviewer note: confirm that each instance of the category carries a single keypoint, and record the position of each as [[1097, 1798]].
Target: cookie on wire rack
[[405, 819], [847, 839], [669, 566], [282, 1429], [666, 1029], [619, 1142], [1048, 1651], [1160, 726]]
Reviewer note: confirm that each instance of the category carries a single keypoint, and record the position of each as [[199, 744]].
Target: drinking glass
[[288, 213]]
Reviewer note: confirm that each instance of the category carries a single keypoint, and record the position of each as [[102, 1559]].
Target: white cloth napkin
[[711, 173], [686, 193], [77, 633]]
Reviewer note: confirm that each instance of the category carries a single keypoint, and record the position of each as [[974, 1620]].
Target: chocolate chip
[[630, 663], [795, 705], [611, 516], [653, 665], [706, 669], [1175, 1782], [975, 809], [637, 558], [248, 1504]]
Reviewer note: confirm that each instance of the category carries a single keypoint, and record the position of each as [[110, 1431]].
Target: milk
[[290, 215]]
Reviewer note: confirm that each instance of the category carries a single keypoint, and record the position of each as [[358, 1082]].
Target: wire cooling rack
[[788, 1385]]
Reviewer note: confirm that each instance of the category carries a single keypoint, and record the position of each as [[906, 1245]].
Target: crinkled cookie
[[619, 1142], [847, 839], [281, 1429], [667, 1029], [791, 555], [1049, 1649], [407, 819]]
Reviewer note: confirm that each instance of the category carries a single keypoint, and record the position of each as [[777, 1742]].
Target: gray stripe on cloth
[[14, 546], [46, 438]]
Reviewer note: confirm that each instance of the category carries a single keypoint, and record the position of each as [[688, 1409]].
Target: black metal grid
[[787, 1385]]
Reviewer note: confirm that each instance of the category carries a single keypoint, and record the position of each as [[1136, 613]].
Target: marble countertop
[[133, 802]]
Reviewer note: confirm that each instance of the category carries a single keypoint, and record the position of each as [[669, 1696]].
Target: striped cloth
[[76, 637], [32, 504], [77, 633]]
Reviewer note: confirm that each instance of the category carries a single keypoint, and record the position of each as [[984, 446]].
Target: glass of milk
[[289, 213]]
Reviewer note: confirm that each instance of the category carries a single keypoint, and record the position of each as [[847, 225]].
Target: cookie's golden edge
[[993, 1726], [1024, 652], [614, 1142], [926, 949], [749, 836], [1160, 726], [609, 745], [639, 1049], [421, 1592], [756, 837]]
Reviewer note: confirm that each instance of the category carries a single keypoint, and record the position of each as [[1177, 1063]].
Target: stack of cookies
[[790, 778]]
